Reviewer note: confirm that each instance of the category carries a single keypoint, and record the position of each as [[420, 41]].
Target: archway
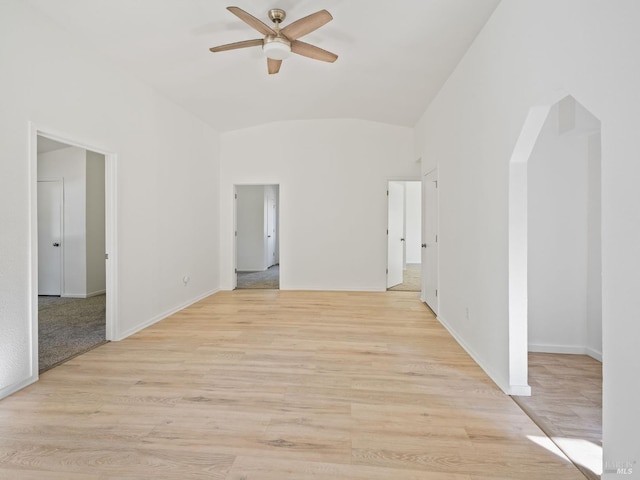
[[555, 288], [561, 130]]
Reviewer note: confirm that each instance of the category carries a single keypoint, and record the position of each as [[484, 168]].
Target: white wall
[[413, 221], [557, 263], [251, 225], [594, 248], [533, 53], [69, 164], [166, 179], [333, 178], [564, 234], [96, 275]]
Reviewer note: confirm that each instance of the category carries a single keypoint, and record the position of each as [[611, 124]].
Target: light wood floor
[[276, 385], [566, 402]]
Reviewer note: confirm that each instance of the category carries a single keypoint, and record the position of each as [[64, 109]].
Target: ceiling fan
[[278, 42]]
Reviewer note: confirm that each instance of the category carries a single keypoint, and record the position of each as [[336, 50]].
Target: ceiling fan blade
[[311, 51], [252, 21], [273, 65], [306, 25], [236, 45]]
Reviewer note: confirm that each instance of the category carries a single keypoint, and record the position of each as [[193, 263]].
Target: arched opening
[[555, 289]]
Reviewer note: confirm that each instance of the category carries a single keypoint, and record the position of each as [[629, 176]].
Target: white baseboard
[[332, 289], [121, 336], [83, 295], [261, 268], [594, 354], [499, 380], [566, 350], [6, 391], [96, 293]]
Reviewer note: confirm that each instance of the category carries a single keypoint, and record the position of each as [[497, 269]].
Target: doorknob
[[424, 245], [402, 239], [56, 244]]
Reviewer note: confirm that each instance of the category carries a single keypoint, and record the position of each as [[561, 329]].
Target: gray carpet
[[68, 327], [269, 279]]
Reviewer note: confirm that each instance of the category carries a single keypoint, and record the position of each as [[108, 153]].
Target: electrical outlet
[[467, 313], [186, 280]]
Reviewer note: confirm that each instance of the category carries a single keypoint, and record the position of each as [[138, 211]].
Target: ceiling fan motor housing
[[277, 15]]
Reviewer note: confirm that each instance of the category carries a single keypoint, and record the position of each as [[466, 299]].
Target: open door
[[430, 241], [272, 216], [395, 234], [50, 237]]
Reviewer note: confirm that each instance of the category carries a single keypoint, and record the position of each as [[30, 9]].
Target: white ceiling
[[393, 56]]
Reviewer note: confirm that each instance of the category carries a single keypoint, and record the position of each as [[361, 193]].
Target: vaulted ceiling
[[393, 56]]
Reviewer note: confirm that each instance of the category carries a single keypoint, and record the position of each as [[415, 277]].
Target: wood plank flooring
[[266, 385], [566, 402]]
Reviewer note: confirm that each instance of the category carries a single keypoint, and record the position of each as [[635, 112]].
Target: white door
[[395, 234], [271, 227], [430, 239], [50, 237], [234, 276]]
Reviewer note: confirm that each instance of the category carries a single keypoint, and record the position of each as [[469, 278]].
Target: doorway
[[71, 224], [257, 230], [404, 236], [555, 291]]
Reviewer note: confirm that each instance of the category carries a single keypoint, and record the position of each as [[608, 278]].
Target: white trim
[[434, 172], [386, 236], [566, 350], [595, 354], [234, 237], [110, 233], [111, 242], [336, 289], [84, 295], [255, 270], [517, 251], [33, 263], [163, 315], [11, 389], [499, 380]]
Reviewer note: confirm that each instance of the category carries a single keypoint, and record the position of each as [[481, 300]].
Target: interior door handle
[[424, 245], [402, 239], [56, 244]]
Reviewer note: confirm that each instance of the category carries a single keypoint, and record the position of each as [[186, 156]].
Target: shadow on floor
[[566, 403]]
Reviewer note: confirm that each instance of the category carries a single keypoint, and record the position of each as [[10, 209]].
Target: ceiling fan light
[[276, 49]]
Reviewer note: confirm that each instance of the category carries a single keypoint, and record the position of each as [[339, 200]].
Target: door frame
[[111, 244], [61, 182], [234, 232], [386, 221], [394, 249], [430, 176]]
